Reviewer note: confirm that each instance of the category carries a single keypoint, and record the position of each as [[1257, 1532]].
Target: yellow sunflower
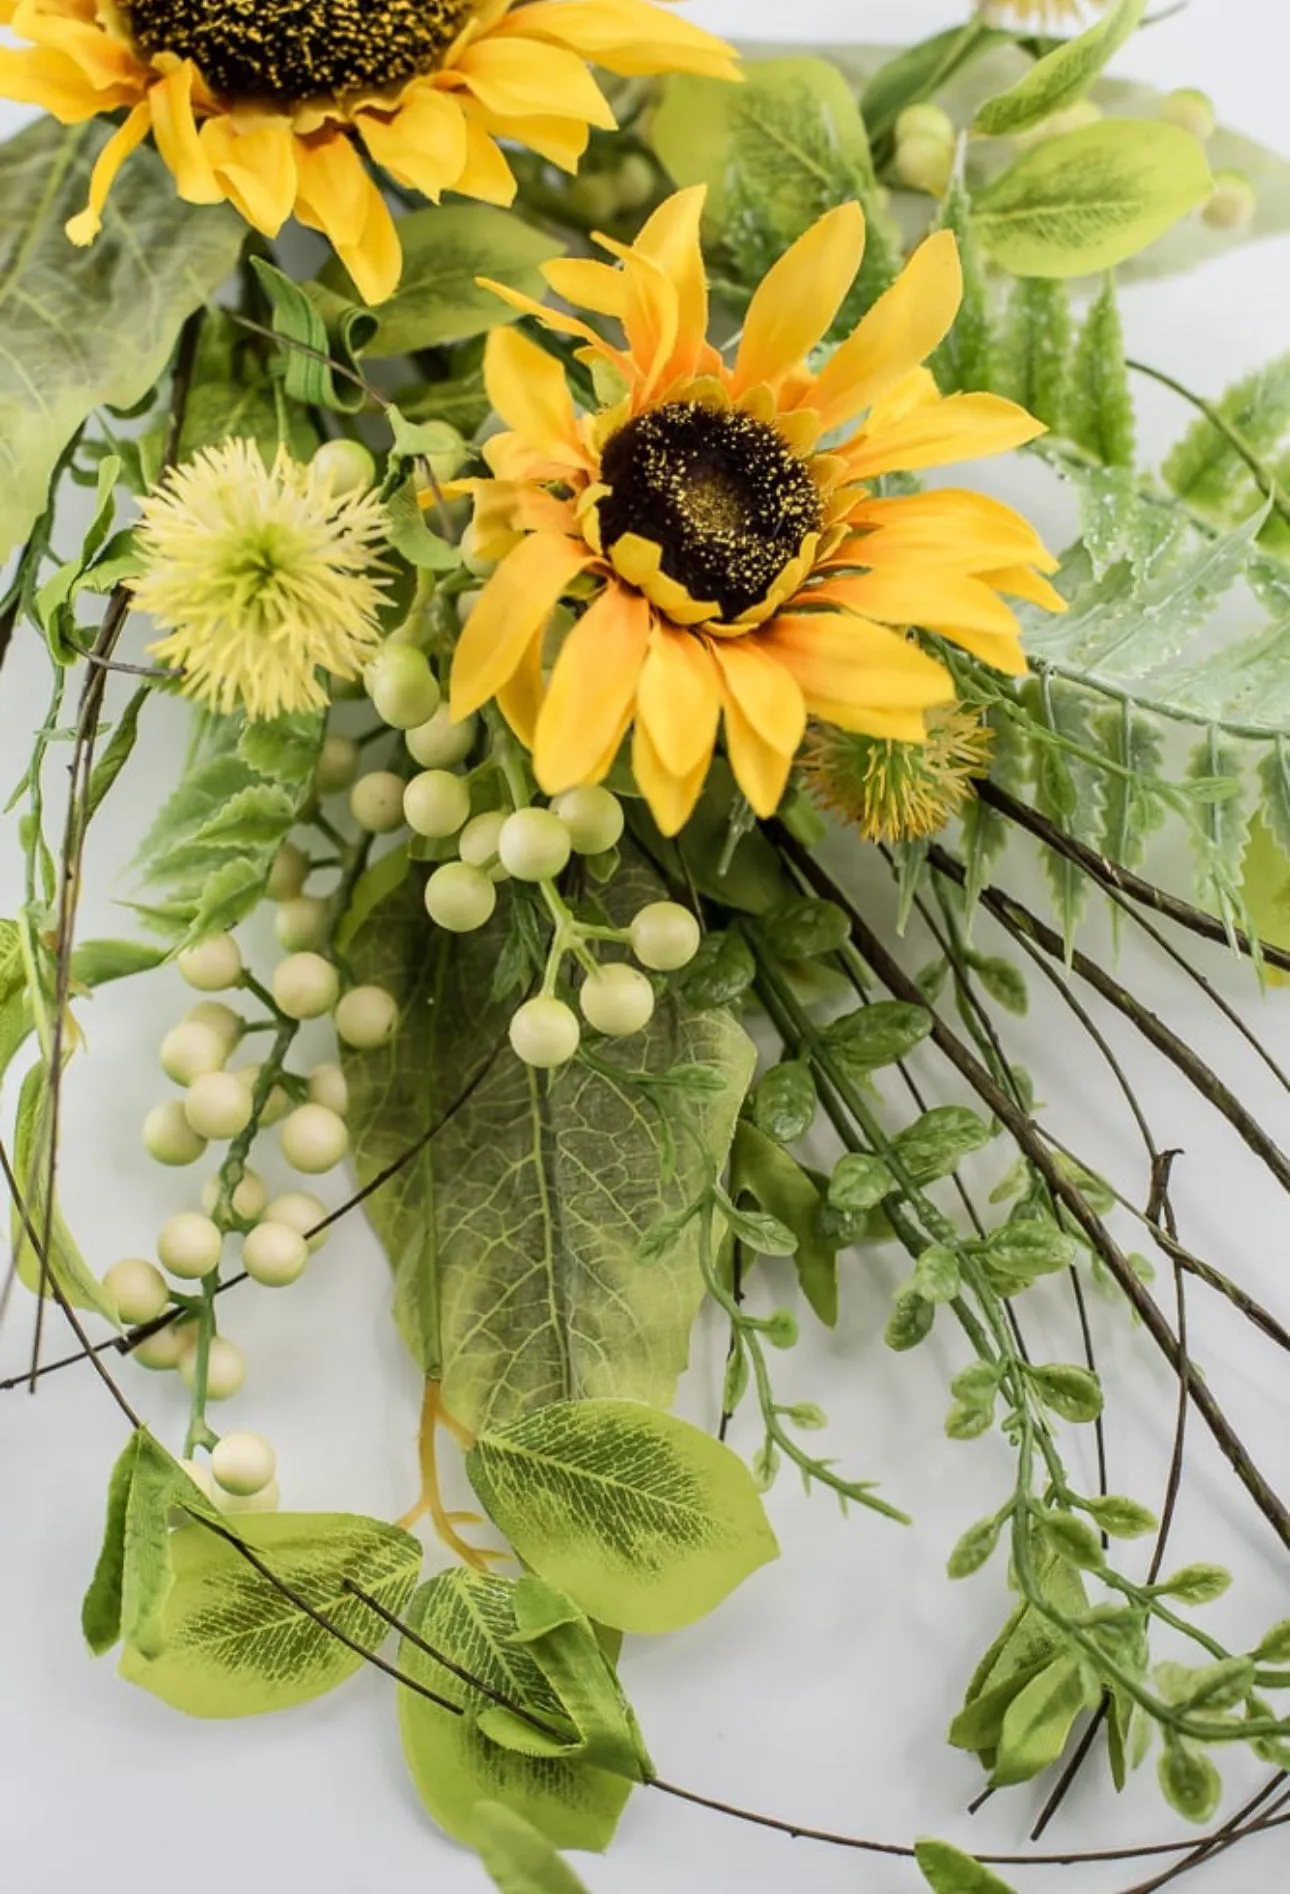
[[718, 522], [265, 103]]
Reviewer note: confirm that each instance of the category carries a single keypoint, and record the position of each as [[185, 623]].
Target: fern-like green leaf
[[1207, 471], [1099, 411], [964, 360], [1035, 357]]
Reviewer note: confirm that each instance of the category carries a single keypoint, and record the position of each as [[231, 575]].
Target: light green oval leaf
[[643, 1520], [1038, 1722], [1088, 199], [519, 1860], [1190, 1782], [1062, 76], [947, 1870], [232, 1644], [454, 1765], [64, 1268], [132, 1580]]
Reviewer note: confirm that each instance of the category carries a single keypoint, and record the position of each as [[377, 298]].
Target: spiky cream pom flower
[[899, 792], [269, 104], [260, 577], [1039, 12]]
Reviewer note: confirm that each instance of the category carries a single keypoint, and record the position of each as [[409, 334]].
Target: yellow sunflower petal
[[679, 698], [797, 300], [550, 318], [627, 36], [336, 195], [516, 78], [592, 688], [934, 596], [761, 771], [892, 726], [528, 389], [85, 226], [520, 698], [1021, 582], [560, 140], [994, 648], [175, 130], [485, 174], [639, 561], [670, 238], [949, 526], [59, 85], [510, 611], [905, 324], [256, 168], [671, 798], [767, 694], [423, 144], [961, 427], [591, 285], [853, 667]]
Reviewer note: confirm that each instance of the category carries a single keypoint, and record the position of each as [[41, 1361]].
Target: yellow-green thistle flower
[[898, 792], [261, 578]]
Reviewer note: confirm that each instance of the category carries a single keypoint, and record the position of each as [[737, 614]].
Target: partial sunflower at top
[[718, 523], [263, 103]]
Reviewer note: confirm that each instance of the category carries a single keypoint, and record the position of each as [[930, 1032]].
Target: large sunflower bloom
[[265, 103], [719, 522]]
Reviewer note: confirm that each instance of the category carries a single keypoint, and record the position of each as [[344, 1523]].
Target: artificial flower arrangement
[[551, 576]]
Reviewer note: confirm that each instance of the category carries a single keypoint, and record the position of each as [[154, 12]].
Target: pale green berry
[[225, 1368], [544, 1032], [138, 1289], [313, 1139], [376, 802], [274, 1254], [167, 1348], [276, 1105], [617, 1000], [249, 1199], [346, 466], [467, 601], [327, 1084], [189, 1245], [472, 558], [637, 181], [191, 1049], [925, 164], [534, 845], [220, 1018], [301, 924], [436, 803], [366, 1017], [302, 1212], [243, 1463], [664, 936], [200, 1475], [925, 121], [289, 873], [168, 1137], [267, 1500], [213, 964], [477, 843], [1233, 203], [439, 742], [402, 686], [305, 986], [217, 1106], [1190, 109], [593, 817], [459, 897], [337, 767]]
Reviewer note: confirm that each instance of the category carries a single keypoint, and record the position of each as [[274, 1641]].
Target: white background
[[820, 1691]]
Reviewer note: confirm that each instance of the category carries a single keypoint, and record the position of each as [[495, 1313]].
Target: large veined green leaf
[[947, 1870], [645, 1521], [132, 1580], [513, 1233], [519, 1860], [1062, 76], [64, 1268], [455, 1766], [1088, 199], [83, 327], [445, 248], [232, 1644]]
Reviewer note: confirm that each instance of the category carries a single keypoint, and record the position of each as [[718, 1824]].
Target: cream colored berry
[[327, 1084], [138, 1289], [314, 1139], [534, 845], [191, 1049], [436, 803], [225, 1368], [305, 986], [301, 1211], [189, 1245], [366, 1017], [346, 466], [925, 164], [477, 843], [338, 762], [1190, 109], [301, 924], [213, 964], [219, 1018], [593, 817], [459, 897], [249, 1199], [664, 936], [616, 999], [276, 1105], [167, 1348], [1233, 204], [168, 1136], [217, 1106], [199, 1473], [274, 1254], [544, 1032], [267, 1500], [289, 873], [439, 742], [925, 121], [376, 802], [402, 686], [243, 1463]]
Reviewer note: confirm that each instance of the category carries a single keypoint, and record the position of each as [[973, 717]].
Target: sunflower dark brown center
[[293, 50], [721, 494]]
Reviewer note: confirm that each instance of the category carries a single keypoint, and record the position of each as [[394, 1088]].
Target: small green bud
[[807, 1415], [1233, 204], [780, 1328], [1191, 110]]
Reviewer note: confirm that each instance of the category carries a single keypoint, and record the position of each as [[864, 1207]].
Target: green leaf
[[1197, 1584], [64, 1268], [784, 1101], [752, 881], [965, 359], [514, 1230], [1033, 362], [910, 1322], [1188, 1780], [1120, 1517], [1038, 1722], [1219, 1686], [411, 534], [877, 1035], [1087, 199], [936, 1273], [1273, 1647], [1074, 1393], [859, 1182], [767, 1172], [1206, 470], [948, 1870], [919, 72], [88, 327], [937, 1141], [233, 393], [643, 1520], [1099, 407], [802, 928], [232, 1644], [974, 1547], [1061, 76], [133, 1578], [722, 969], [1028, 1247], [319, 356], [454, 1764], [1073, 1539], [117, 754], [519, 1859], [445, 248]]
